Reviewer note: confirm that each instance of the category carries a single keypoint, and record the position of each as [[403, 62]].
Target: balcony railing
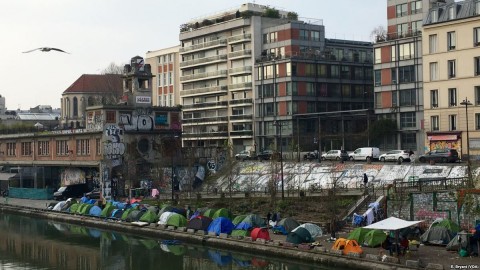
[[204, 90], [218, 42], [241, 133], [240, 85], [203, 60], [247, 69], [205, 134], [242, 117], [242, 37], [428, 185], [205, 105], [241, 101], [394, 36], [240, 53], [204, 75], [206, 119]]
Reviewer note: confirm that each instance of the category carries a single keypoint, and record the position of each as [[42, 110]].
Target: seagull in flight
[[46, 49]]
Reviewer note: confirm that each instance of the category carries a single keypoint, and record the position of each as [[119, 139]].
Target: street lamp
[[279, 124], [467, 103]]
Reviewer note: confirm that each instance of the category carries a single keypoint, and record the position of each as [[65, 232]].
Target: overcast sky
[[99, 32]]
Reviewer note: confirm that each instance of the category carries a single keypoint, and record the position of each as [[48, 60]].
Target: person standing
[[365, 179], [269, 216]]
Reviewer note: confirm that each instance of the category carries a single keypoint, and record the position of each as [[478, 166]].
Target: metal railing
[[204, 45], [203, 60], [431, 184]]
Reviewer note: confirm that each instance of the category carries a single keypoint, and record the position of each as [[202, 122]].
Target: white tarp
[[392, 224], [164, 218]]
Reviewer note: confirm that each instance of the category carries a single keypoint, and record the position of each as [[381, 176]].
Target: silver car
[[395, 155]]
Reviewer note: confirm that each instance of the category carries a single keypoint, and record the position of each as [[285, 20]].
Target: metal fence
[[431, 184]]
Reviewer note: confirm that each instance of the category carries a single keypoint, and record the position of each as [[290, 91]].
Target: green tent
[[374, 238], [244, 233], [79, 208], [358, 234], [165, 208], [449, 224], [149, 217], [107, 211], [125, 213], [222, 212], [209, 213], [255, 220], [238, 219], [300, 235], [85, 209], [74, 207], [177, 220]]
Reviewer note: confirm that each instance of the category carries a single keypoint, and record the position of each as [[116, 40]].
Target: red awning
[[443, 137]]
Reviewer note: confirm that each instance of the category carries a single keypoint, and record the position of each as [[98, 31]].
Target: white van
[[365, 153]]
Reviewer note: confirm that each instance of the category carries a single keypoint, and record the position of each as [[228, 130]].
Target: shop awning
[[6, 176]]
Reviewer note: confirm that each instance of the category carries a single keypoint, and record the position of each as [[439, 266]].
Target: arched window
[[75, 107]]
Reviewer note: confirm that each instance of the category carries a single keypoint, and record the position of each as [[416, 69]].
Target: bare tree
[[113, 68], [378, 33]]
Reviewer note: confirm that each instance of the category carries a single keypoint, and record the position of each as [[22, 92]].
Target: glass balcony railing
[[218, 73], [203, 60], [213, 43], [204, 90]]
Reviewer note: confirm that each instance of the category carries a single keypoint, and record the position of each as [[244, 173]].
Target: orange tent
[[261, 233], [347, 246]]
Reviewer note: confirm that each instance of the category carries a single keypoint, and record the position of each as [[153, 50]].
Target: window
[[434, 123], [111, 117], [476, 63], [416, 27], [394, 98], [407, 97], [415, 7], [61, 148], [452, 119], [378, 55], [477, 95], [476, 36], [452, 12], [11, 149], [452, 97], [433, 71], [393, 49], [477, 7], [477, 121], [451, 68], [394, 75], [407, 120], [43, 148], [402, 29], [26, 149], [434, 16], [434, 98], [378, 77], [83, 147], [406, 74], [451, 41], [406, 51], [378, 100], [432, 43], [402, 10], [98, 147]]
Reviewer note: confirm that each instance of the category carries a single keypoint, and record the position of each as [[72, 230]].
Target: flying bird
[[46, 49]]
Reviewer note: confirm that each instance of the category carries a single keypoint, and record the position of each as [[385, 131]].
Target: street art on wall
[[114, 148], [72, 176], [445, 144], [142, 119]]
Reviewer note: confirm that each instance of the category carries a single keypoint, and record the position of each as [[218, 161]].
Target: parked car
[[71, 191], [244, 155], [365, 153], [395, 155], [310, 156], [332, 155], [94, 194], [440, 155], [344, 155], [265, 155]]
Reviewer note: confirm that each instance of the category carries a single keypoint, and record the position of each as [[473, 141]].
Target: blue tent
[[95, 211], [84, 199], [243, 226], [221, 225]]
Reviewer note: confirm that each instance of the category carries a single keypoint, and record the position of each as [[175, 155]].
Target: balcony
[[247, 101], [212, 59], [239, 38], [241, 117], [205, 105], [240, 70], [240, 86], [206, 45], [241, 133], [205, 134], [205, 120], [204, 90], [211, 74], [239, 54]]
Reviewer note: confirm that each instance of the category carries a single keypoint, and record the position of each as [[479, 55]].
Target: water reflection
[[38, 244]]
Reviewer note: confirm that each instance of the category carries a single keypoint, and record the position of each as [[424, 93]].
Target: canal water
[[27, 243]]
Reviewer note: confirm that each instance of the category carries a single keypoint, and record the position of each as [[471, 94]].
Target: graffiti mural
[[141, 119], [114, 148], [72, 176]]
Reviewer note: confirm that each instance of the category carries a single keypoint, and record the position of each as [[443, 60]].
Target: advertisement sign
[[143, 99]]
